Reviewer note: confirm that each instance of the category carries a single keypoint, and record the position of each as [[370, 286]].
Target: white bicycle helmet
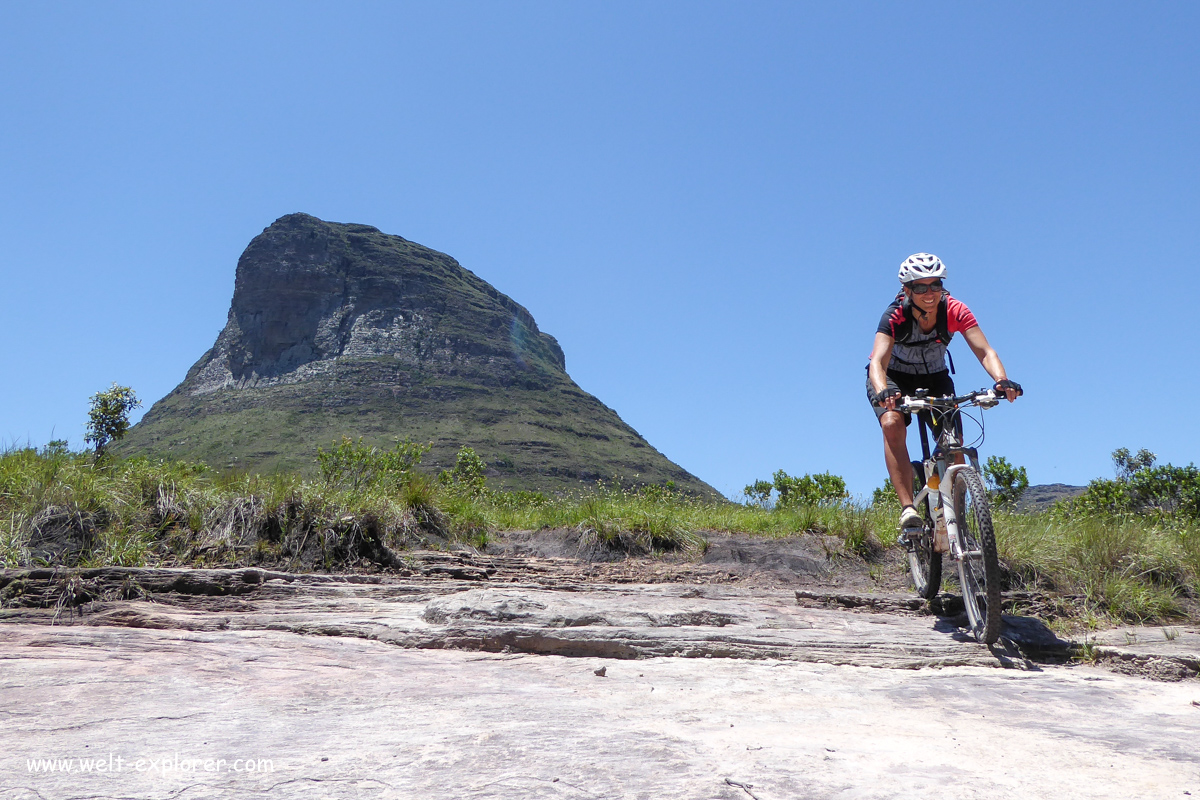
[[919, 266]]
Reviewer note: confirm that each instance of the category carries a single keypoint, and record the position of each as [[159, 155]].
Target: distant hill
[[1042, 496], [339, 329]]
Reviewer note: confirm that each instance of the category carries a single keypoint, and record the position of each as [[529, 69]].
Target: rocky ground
[[764, 671]]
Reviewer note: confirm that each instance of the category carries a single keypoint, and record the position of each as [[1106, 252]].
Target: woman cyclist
[[910, 354]]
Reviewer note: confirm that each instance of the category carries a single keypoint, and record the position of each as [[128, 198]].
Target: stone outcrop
[[309, 294], [341, 330]]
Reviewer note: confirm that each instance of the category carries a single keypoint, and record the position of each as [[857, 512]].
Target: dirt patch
[[1159, 668]]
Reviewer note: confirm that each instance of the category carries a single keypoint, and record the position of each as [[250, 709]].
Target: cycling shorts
[[938, 384]]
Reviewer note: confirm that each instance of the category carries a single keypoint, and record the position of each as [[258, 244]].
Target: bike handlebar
[[984, 398]]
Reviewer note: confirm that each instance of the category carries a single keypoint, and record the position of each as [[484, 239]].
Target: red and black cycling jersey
[[915, 351]]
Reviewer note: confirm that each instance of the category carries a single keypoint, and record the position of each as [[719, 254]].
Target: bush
[[1127, 465], [759, 493], [355, 466], [658, 494], [1006, 483], [469, 476], [108, 418], [1130, 569], [1139, 488], [824, 488]]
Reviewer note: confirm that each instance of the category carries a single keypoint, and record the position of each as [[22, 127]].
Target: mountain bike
[[949, 494]]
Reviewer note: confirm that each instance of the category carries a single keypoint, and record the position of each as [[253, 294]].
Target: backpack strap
[[943, 330], [941, 325]]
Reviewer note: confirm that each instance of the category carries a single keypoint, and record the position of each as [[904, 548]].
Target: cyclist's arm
[[881, 356], [987, 357]]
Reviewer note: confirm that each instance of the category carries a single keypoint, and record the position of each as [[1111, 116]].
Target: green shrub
[[469, 476], [1006, 483], [1140, 488], [355, 466], [1132, 568], [1127, 465], [759, 493], [656, 493], [821, 488], [108, 418]]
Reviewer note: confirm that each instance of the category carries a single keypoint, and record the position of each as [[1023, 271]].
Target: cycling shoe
[[910, 520]]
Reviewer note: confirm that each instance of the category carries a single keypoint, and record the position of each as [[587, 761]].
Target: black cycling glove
[[1005, 385], [891, 391]]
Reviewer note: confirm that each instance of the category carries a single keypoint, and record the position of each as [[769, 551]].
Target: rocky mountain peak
[[308, 292], [342, 330]]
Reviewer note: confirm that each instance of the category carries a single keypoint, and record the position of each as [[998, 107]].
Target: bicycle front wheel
[[979, 569], [924, 564]]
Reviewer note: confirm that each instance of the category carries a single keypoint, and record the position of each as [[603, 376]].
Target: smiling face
[[928, 301]]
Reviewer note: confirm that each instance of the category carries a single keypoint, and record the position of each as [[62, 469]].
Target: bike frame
[[952, 475], [949, 444]]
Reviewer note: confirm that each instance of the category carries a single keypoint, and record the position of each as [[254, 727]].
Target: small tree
[[1006, 483], [1127, 466], [108, 419], [469, 475], [759, 493]]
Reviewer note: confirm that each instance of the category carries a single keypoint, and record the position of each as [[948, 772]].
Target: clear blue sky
[[704, 202]]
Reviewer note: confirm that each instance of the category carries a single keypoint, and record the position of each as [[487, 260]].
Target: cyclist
[[910, 354]]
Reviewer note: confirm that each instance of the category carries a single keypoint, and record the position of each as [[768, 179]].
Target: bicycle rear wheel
[[979, 569], [924, 564]]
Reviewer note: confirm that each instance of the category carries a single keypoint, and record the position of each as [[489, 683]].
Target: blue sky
[[704, 202]]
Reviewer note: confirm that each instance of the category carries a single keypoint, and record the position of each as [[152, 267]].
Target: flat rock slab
[[184, 714], [608, 621], [247, 683]]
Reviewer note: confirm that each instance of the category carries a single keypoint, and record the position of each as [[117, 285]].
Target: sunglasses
[[924, 288]]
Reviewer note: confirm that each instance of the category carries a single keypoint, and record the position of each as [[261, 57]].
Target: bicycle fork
[[942, 504]]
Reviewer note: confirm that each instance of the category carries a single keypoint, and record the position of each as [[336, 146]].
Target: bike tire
[[979, 569], [923, 563]]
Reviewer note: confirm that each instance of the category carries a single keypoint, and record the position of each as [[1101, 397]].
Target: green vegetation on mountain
[[340, 330]]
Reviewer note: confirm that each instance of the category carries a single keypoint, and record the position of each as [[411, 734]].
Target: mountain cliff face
[[343, 330]]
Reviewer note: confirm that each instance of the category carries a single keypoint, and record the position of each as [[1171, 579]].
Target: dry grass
[[160, 513]]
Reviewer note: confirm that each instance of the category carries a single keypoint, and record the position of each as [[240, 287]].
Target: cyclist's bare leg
[[895, 454]]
